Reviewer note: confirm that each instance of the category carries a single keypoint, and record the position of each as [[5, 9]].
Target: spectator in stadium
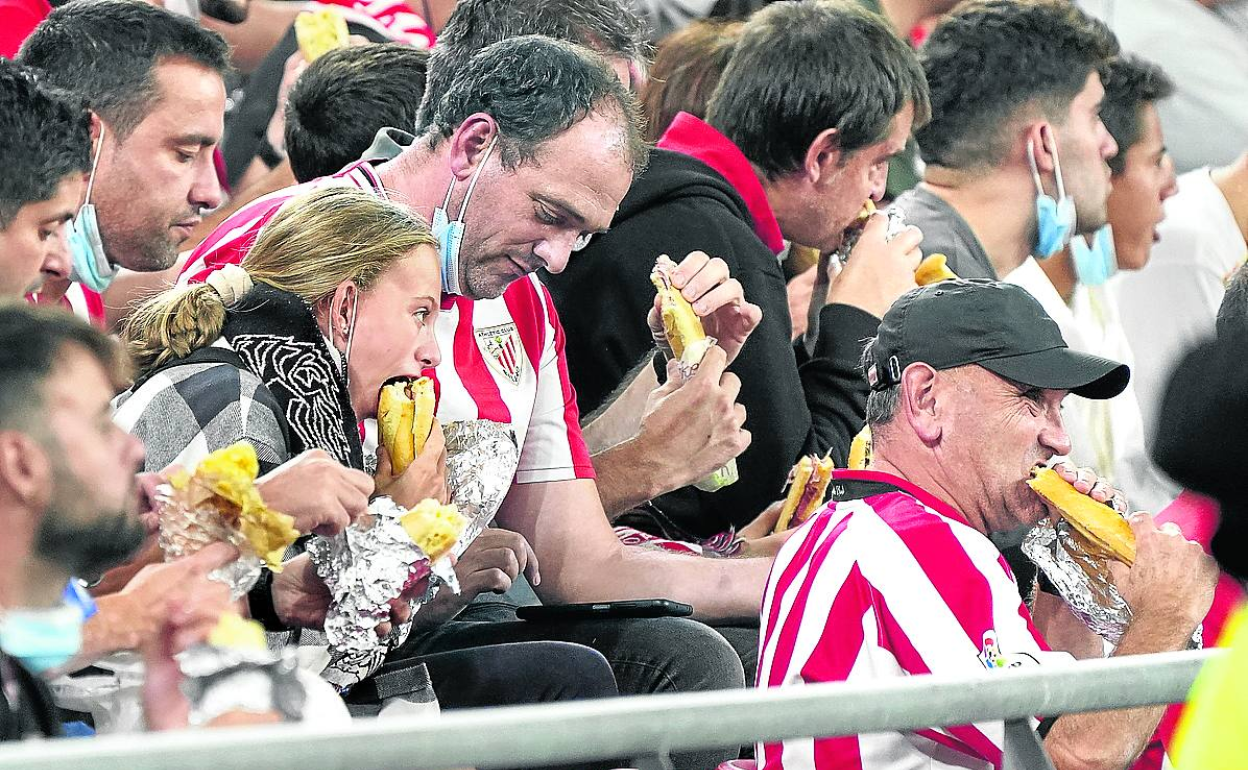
[[685, 71], [579, 146], [342, 99], [45, 155], [904, 580], [154, 84], [69, 513], [1200, 244], [1110, 435], [766, 165], [1013, 87]]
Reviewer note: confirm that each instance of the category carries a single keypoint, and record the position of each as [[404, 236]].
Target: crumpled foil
[[365, 567], [255, 679], [186, 529], [1082, 580], [481, 461], [896, 223]]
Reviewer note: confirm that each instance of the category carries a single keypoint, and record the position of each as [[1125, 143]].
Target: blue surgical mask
[[450, 234], [1055, 219], [46, 639], [91, 266], [1096, 263]]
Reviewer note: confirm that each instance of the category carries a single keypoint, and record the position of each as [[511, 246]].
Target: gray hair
[[881, 404]]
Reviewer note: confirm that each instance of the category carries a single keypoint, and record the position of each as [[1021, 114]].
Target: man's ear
[[25, 469], [823, 157], [919, 403], [469, 142], [1042, 138]]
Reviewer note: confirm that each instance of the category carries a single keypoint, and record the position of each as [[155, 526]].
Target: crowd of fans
[[254, 244]]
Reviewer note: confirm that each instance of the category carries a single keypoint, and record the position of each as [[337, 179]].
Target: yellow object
[[320, 32], [404, 418], [1104, 529], [1211, 734], [860, 450], [681, 324], [933, 269], [434, 527], [808, 483], [226, 479], [236, 632]]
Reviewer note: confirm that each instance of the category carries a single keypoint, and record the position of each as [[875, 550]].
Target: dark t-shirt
[[26, 707], [946, 232]]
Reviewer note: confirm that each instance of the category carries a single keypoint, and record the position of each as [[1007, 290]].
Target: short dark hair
[[343, 98], [607, 26], [1233, 312], [106, 52], [47, 137], [535, 88], [686, 71], [1130, 83], [804, 66], [990, 58], [32, 338]]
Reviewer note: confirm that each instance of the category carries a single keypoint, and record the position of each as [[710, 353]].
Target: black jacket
[[31, 712], [795, 404]]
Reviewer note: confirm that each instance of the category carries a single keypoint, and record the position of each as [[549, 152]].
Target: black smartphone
[[641, 608]]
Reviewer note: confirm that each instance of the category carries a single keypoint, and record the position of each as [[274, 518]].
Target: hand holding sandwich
[[1172, 582], [879, 269], [424, 478], [717, 299], [321, 494]]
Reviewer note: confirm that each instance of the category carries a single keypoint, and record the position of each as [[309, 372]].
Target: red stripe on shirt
[[472, 369], [571, 413]]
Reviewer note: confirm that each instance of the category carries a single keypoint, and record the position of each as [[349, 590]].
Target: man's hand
[[878, 271], [321, 494], [301, 599], [1173, 579], [758, 537], [717, 298], [134, 616], [423, 479], [1088, 482], [694, 427], [491, 563]]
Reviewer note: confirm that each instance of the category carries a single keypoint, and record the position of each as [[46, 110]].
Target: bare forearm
[[620, 419], [251, 41], [1112, 740], [717, 589], [628, 476]]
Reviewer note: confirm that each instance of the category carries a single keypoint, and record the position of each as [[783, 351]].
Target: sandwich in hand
[[933, 269], [1100, 529], [405, 418], [681, 324], [808, 483], [319, 32]]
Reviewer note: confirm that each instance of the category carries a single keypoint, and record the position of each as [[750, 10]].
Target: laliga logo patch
[[501, 347], [991, 657]]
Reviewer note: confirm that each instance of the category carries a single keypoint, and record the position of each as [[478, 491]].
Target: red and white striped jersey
[[393, 17], [502, 359], [887, 586], [81, 301]]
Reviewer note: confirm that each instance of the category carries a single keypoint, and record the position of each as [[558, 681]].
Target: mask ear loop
[[1035, 170], [95, 162], [472, 183], [346, 356]]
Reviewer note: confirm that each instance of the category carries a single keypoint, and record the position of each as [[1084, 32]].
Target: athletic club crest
[[500, 345]]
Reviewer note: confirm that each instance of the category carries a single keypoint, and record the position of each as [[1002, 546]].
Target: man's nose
[[555, 253], [205, 192], [1055, 437], [58, 261]]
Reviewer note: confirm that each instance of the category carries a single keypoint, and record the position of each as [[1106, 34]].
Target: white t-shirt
[[1107, 435], [1205, 53], [1172, 303]]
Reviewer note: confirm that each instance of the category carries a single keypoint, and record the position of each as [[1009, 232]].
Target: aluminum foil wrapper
[[1082, 580], [365, 567], [186, 529], [896, 223], [481, 461], [220, 679]]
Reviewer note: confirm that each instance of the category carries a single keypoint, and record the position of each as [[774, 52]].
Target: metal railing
[[647, 727]]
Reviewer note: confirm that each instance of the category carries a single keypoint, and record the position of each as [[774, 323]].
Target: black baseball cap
[[996, 325]]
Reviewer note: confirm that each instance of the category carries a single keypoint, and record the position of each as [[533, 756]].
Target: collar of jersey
[[918, 493]]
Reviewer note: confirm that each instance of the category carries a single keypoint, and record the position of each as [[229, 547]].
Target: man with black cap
[[898, 577]]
